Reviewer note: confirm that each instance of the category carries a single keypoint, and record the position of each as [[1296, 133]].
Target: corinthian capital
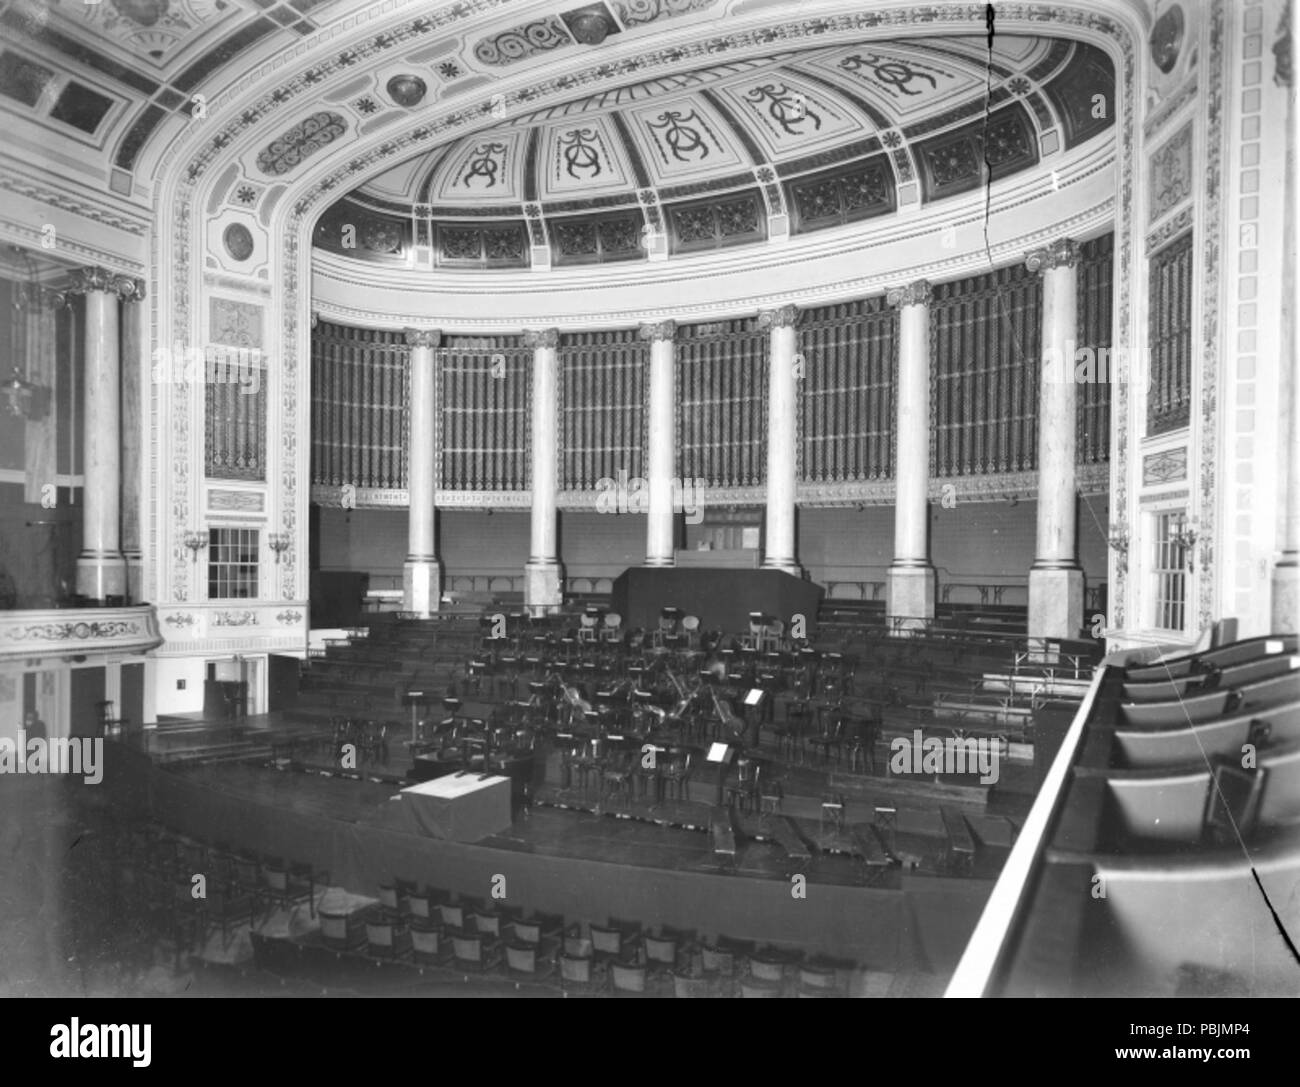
[[659, 330], [85, 280], [1062, 253], [546, 337], [423, 337], [916, 293], [781, 317]]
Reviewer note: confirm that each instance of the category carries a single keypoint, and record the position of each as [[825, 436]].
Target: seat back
[[816, 977], [766, 970], [661, 950], [452, 916], [716, 961], [606, 941], [521, 958], [487, 924], [628, 979], [467, 948], [689, 988], [577, 947], [527, 932], [576, 970], [759, 989], [426, 940]]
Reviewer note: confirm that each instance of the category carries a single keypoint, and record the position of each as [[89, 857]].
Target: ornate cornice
[[423, 337], [916, 293], [86, 280], [781, 317], [546, 337], [658, 330], [1062, 253]]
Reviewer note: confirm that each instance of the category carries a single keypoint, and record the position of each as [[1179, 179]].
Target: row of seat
[[428, 927]]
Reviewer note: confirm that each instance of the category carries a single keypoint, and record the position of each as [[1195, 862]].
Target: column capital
[[423, 337], [658, 330], [546, 337], [86, 280], [781, 317], [1062, 253], [916, 293]]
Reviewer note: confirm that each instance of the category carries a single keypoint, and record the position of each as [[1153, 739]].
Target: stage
[[722, 597], [584, 866]]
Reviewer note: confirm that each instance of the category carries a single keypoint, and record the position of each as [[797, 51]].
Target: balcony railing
[[76, 632]]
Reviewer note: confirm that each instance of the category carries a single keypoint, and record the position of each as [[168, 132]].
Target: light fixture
[[195, 541], [279, 542], [1185, 536], [23, 399], [1118, 541]]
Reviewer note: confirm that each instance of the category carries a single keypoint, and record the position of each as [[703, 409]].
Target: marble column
[[101, 567], [1055, 579], [421, 573], [661, 457], [782, 439], [543, 576], [910, 580]]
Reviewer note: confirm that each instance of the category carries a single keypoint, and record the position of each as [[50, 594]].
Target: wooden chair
[[472, 952], [628, 980]]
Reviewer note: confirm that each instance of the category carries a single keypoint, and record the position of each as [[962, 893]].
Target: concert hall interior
[[699, 498]]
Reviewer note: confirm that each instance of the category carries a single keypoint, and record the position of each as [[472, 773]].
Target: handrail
[[987, 947]]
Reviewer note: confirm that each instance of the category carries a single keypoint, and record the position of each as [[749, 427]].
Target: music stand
[[415, 699], [721, 755]]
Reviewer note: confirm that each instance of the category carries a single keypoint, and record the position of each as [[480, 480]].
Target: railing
[[75, 632]]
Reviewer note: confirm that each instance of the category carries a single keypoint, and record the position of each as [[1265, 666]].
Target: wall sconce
[[1118, 541], [279, 542], [1185, 537], [195, 541]]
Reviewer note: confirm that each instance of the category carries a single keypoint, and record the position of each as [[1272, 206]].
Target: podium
[[459, 807]]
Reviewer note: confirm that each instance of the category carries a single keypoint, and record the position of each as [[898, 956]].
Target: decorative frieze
[[65, 633]]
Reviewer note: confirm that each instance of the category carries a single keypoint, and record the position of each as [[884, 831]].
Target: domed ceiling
[[728, 155]]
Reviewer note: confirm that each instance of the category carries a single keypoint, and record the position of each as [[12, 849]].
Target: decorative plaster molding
[[786, 316], [1168, 230], [916, 293], [96, 213], [65, 632], [1062, 253], [86, 280], [658, 330], [417, 337], [543, 338]]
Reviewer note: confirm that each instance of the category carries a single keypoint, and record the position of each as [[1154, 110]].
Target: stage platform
[[722, 597], [583, 863]]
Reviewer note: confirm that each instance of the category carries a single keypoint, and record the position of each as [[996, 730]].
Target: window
[[1169, 401], [1170, 570], [232, 563]]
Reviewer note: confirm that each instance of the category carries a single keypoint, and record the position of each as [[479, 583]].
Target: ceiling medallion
[[407, 90]]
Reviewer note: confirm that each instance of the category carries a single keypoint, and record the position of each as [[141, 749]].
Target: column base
[[1055, 602], [543, 587], [1286, 599], [421, 586], [101, 576], [909, 597], [788, 566], [660, 561]]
